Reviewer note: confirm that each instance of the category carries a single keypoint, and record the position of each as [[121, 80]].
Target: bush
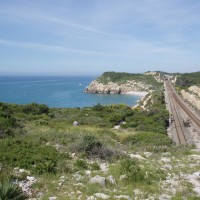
[[98, 107], [153, 119], [132, 170], [103, 152], [122, 77], [64, 166], [134, 173], [6, 126], [188, 79], [7, 121], [148, 140], [92, 147], [28, 154], [81, 164], [95, 166], [5, 173], [48, 166], [36, 109], [9, 191], [89, 142]]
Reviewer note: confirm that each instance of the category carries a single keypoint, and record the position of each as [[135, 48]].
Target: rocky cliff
[[117, 88], [192, 96]]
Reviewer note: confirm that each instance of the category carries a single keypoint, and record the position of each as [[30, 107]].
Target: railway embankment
[[184, 124]]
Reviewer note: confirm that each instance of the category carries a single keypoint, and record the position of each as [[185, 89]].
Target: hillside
[[188, 79], [121, 83], [99, 152], [188, 85], [50, 158], [120, 77]]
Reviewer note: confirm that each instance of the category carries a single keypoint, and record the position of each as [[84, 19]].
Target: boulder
[[167, 167], [99, 180], [165, 160], [122, 177], [91, 198], [79, 185], [111, 179], [122, 197], [101, 196], [139, 157], [87, 172], [148, 154], [78, 177], [75, 123], [31, 179], [53, 198], [116, 127], [104, 167], [137, 192]]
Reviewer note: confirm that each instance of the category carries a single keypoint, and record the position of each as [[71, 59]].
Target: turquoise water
[[56, 92]]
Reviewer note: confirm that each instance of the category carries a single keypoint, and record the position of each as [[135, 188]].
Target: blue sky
[[88, 37]]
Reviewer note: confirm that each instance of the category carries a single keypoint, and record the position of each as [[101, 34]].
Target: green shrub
[[92, 147], [188, 79], [131, 169], [41, 122], [48, 166], [95, 166], [148, 140], [122, 77], [7, 121], [153, 119], [64, 166], [103, 153], [81, 164], [134, 173], [28, 154], [5, 172], [36, 109], [98, 107], [90, 142], [9, 191]]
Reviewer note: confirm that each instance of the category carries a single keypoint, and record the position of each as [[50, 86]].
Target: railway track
[[174, 102], [193, 117], [180, 133]]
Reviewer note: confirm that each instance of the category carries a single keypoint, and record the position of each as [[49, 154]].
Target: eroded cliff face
[[192, 96], [116, 88]]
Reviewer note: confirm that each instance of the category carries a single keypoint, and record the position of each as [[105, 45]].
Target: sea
[[57, 92]]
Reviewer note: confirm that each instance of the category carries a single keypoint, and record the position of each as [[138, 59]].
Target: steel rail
[[178, 126], [192, 116]]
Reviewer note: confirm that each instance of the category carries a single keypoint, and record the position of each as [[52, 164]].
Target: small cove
[[60, 92]]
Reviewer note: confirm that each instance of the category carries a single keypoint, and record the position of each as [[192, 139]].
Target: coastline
[[56, 92], [139, 94]]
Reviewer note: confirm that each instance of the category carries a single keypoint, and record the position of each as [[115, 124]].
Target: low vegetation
[[153, 119], [188, 79], [11, 191], [79, 162], [122, 77]]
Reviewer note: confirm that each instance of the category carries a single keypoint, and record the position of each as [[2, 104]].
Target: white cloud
[[46, 47]]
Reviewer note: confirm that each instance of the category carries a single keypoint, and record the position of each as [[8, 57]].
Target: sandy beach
[[142, 94]]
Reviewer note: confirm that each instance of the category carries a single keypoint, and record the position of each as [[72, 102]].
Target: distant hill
[[188, 85], [121, 82], [121, 77], [188, 79]]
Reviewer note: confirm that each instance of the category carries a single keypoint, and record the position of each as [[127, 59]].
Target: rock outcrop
[[192, 96], [117, 88], [99, 180]]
